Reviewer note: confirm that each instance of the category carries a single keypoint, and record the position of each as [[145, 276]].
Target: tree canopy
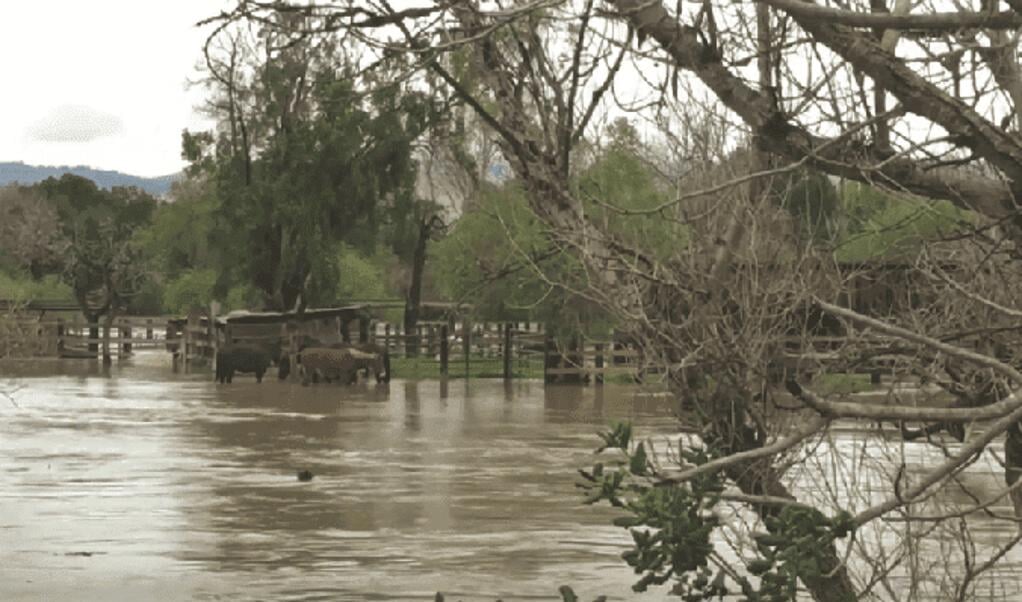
[[302, 158]]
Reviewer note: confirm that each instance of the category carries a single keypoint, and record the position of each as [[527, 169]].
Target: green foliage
[[484, 259], [883, 226], [320, 160], [672, 527], [791, 549], [527, 275], [103, 260], [360, 277], [192, 289], [242, 296], [180, 237], [617, 183], [827, 384], [24, 288], [498, 257], [148, 299]]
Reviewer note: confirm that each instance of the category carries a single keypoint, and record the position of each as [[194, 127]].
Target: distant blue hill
[[20, 173]]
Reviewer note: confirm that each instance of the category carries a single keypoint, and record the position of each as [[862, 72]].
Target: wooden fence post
[[576, 359], [126, 332], [214, 336], [599, 363], [105, 345], [386, 337], [60, 335], [508, 350], [443, 351], [549, 357], [191, 344], [186, 341], [363, 329], [466, 342]]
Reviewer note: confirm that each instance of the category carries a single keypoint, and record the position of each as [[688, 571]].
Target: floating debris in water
[[305, 475]]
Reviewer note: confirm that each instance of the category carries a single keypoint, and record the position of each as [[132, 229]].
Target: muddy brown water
[[137, 483]]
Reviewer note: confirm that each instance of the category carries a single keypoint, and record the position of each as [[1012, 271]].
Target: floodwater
[[136, 483], [143, 484]]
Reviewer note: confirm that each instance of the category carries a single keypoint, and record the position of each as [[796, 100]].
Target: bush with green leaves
[[880, 225], [193, 289], [672, 527], [21, 287], [360, 276]]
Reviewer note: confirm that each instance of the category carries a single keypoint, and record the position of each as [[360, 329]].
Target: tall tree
[[302, 157], [103, 259]]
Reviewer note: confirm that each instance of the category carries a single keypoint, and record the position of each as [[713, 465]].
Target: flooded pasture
[[137, 483], [144, 484]]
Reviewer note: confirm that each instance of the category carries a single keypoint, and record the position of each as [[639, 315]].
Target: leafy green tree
[[302, 158], [881, 225], [621, 192], [103, 262], [360, 277], [527, 276], [192, 289], [180, 243], [25, 288], [182, 231], [531, 275]]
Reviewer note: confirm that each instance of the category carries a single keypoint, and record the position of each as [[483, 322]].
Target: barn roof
[[270, 317]]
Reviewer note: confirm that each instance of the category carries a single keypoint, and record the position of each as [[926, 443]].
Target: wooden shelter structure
[[329, 325]]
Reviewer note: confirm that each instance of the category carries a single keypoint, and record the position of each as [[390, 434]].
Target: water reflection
[[179, 488]]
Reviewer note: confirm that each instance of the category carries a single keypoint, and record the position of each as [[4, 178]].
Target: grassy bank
[[842, 384]]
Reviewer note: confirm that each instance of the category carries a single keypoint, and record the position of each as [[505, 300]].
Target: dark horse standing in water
[[241, 358]]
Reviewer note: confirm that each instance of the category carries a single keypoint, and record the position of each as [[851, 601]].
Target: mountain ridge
[[17, 172]]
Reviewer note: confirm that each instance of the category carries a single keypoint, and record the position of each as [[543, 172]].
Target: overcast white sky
[[100, 83]]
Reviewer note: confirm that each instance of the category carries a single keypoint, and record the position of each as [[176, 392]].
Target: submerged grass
[[426, 367]]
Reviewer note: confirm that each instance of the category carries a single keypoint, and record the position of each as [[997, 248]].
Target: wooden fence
[[526, 349], [78, 338], [443, 348], [27, 336], [190, 340], [508, 349]]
